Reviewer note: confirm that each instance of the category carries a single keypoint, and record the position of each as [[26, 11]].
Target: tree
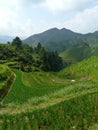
[[17, 42], [26, 61], [47, 61], [38, 48]]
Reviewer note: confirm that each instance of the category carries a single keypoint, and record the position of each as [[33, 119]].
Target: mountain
[[53, 39], [61, 39], [72, 46], [5, 39]]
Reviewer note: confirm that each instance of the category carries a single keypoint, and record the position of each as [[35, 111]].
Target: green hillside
[[36, 84], [95, 127], [62, 39], [53, 39], [6, 79], [51, 85], [87, 70], [53, 100], [5, 73], [76, 53]]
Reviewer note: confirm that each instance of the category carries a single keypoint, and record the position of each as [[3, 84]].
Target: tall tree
[[17, 42], [38, 48]]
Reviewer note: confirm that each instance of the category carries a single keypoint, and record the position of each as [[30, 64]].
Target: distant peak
[[63, 29], [54, 29], [96, 32]]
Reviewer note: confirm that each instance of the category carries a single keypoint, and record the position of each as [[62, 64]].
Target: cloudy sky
[[26, 17]]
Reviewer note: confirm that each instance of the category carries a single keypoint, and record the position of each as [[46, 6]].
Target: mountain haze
[[5, 39]]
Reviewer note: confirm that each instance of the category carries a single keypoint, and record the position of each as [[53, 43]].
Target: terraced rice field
[[67, 100]]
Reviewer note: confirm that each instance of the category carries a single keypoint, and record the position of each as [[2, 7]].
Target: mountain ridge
[[58, 35], [52, 39]]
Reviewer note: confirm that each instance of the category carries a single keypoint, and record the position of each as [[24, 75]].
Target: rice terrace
[[49, 65], [48, 100]]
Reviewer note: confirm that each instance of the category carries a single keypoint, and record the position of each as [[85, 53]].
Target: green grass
[[76, 53], [29, 85], [37, 85], [85, 70], [95, 127], [5, 73], [47, 100], [76, 113]]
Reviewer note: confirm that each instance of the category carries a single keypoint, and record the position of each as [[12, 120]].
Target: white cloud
[[66, 5], [86, 21], [20, 17], [31, 1], [6, 16]]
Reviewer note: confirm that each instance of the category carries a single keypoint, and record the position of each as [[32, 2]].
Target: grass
[[29, 85], [48, 100], [76, 113], [76, 53], [95, 127], [85, 70], [37, 86], [5, 73]]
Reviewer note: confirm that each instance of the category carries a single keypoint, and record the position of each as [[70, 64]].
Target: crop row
[[78, 113]]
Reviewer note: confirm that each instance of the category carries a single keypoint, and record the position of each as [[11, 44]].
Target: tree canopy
[[17, 42], [26, 58]]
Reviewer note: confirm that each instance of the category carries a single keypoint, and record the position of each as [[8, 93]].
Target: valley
[[48, 90], [38, 98], [49, 65]]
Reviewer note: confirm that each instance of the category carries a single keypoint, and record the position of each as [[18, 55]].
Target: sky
[[27, 17]]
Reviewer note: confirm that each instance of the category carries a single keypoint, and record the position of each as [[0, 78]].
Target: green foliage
[[85, 70], [48, 61], [6, 52], [28, 85], [50, 100], [6, 79], [76, 53], [4, 72], [76, 113], [3, 75], [63, 39], [17, 42], [53, 39], [95, 127], [26, 59], [20, 58]]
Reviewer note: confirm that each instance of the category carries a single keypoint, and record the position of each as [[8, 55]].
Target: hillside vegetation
[[52, 101], [72, 46], [86, 70], [38, 84], [95, 127], [5, 73], [76, 53], [53, 39], [29, 59], [62, 39], [37, 94], [6, 79]]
